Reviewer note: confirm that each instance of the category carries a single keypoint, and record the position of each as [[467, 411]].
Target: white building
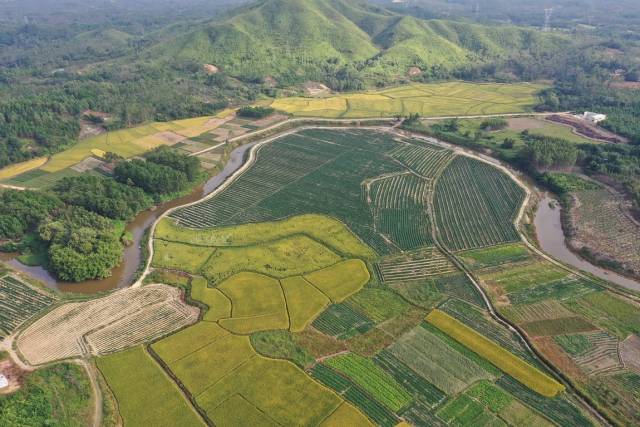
[[4, 382], [594, 117]]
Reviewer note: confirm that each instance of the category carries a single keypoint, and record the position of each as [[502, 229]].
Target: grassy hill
[[293, 40]]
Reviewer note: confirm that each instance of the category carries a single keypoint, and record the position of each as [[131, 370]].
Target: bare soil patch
[[586, 129], [522, 123], [210, 68], [630, 353], [316, 89], [90, 163], [13, 374], [414, 71], [170, 138], [626, 85], [105, 325], [559, 359]]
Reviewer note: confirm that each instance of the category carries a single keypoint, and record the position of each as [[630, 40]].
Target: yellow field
[[528, 375], [219, 304], [304, 302], [179, 256], [15, 170], [429, 99], [330, 232], [340, 280]]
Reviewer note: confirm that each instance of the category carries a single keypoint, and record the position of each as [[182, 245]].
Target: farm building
[[4, 382], [594, 117]]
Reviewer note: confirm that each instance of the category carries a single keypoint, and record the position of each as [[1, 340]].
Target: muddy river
[[551, 239], [124, 274]]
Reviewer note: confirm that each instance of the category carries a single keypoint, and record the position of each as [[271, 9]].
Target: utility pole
[[547, 19]]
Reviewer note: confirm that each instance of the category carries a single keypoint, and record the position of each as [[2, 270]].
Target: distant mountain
[[291, 39]]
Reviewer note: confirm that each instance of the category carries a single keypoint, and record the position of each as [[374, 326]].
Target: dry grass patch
[[19, 168]]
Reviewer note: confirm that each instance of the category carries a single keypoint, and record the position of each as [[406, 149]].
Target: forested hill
[[293, 40]]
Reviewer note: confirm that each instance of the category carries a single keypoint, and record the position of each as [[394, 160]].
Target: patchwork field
[[105, 325], [433, 99], [313, 304]]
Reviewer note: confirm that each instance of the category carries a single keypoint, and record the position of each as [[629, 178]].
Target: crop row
[[342, 321], [428, 161], [414, 266], [399, 205], [475, 205], [18, 302]]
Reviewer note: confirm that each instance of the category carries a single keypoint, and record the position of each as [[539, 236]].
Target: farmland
[[436, 99], [18, 302], [475, 205], [105, 325], [305, 292]]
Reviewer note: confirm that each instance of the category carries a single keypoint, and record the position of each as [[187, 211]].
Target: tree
[[176, 160], [151, 177]]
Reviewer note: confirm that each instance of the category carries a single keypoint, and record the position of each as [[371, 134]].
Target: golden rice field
[[427, 99], [498, 356], [18, 168]]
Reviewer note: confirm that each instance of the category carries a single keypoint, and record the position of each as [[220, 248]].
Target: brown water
[[123, 275], [552, 241]]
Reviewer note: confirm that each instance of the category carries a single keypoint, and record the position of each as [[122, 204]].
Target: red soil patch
[[554, 354], [13, 373]]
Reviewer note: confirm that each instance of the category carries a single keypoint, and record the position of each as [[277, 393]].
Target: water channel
[[552, 241], [123, 275]]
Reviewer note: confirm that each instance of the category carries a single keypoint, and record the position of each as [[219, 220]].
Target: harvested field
[[418, 265], [602, 222], [105, 325], [18, 302], [475, 205], [506, 361], [139, 384]]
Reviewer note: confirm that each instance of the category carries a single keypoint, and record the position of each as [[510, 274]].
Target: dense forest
[[76, 228]]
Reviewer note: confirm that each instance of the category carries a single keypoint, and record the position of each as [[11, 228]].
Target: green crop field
[[494, 256], [18, 302], [608, 311], [523, 372], [138, 384], [433, 99], [475, 205], [341, 321], [372, 379]]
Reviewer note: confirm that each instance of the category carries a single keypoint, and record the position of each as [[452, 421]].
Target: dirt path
[[92, 372], [12, 187]]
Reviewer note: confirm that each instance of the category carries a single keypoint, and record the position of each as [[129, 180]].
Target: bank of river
[[124, 274], [552, 241]]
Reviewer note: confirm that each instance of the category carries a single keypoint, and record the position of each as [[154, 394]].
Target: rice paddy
[[432, 99]]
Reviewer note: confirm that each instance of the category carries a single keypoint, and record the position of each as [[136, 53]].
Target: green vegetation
[[281, 345], [342, 322], [608, 311], [372, 379], [574, 344], [378, 305], [351, 392], [137, 381], [551, 327], [510, 364], [54, 395], [103, 196], [475, 205], [18, 302], [437, 362], [464, 411], [82, 245], [490, 396], [255, 112], [494, 256], [22, 211]]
